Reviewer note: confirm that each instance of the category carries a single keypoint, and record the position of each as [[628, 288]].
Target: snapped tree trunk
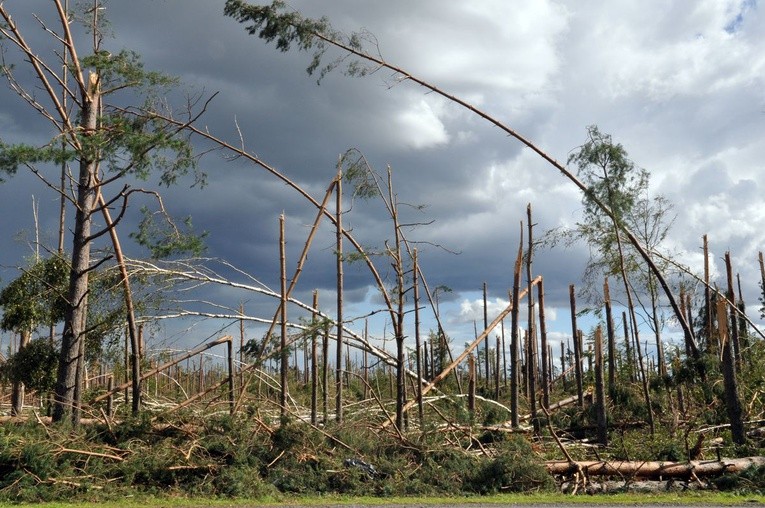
[[732, 400], [600, 392], [577, 346], [514, 356], [532, 328], [339, 264]]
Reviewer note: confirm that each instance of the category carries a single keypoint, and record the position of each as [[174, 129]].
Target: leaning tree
[[102, 124], [288, 28]]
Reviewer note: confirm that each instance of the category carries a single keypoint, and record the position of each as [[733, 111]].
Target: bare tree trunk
[[487, 371], [653, 293], [17, 390], [366, 361], [283, 352], [628, 348], [654, 469], [325, 371], [532, 327], [610, 337], [504, 354], [643, 373], [711, 346], [577, 347], [314, 358], [600, 392], [398, 325], [732, 400], [514, 356], [133, 332], [339, 264], [77, 295], [231, 396], [733, 332], [418, 344], [471, 384], [470, 348]]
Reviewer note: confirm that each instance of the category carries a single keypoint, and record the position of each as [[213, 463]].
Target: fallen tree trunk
[[655, 469]]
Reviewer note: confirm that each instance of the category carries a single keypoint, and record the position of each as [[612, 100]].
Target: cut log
[[655, 469]]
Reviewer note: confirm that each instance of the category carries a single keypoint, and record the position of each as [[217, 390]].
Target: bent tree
[[98, 135], [275, 22]]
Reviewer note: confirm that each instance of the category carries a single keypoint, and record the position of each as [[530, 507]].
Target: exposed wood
[[283, 355], [339, 308], [167, 365], [561, 403], [418, 344], [728, 368], [230, 366], [471, 383], [514, 341], [711, 345], [532, 367], [577, 345], [471, 347], [733, 329], [610, 335], [487, 370], [600, 392], [654, 469], [314, 359], [545, 350]]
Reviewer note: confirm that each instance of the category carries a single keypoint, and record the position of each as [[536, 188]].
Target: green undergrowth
[[224, 457], [218, 457]]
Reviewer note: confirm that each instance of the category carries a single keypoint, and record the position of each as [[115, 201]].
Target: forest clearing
[[649, 368]]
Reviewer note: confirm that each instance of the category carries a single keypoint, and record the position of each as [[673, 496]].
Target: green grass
[[705, 498]]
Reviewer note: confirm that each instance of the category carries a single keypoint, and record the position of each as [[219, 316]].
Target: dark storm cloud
[[678, 91]]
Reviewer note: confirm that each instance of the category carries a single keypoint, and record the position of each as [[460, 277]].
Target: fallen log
[[654, 469]]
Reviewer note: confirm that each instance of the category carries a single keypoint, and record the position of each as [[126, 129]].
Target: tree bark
[[133, 333], [610, 337], [600, 392], [283, 352], [655, 469], [487, 370], [17, 390], [733, 330], [728, 368], [577, 346], [339, 265], [77, 294], [418, 345], [532, 328], [514, 357], [708, 322], [314, 358]]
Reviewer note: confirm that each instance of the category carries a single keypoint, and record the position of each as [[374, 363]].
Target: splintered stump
[[654, 469]]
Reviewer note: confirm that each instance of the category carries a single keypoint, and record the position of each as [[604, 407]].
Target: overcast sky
[[680, 84]]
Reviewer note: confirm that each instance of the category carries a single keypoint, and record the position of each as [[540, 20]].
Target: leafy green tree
[[611, 178], [35, 298], [109, 132], [34, 365]]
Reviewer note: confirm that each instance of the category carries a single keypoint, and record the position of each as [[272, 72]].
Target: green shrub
[[513, 470], [748, 481]]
